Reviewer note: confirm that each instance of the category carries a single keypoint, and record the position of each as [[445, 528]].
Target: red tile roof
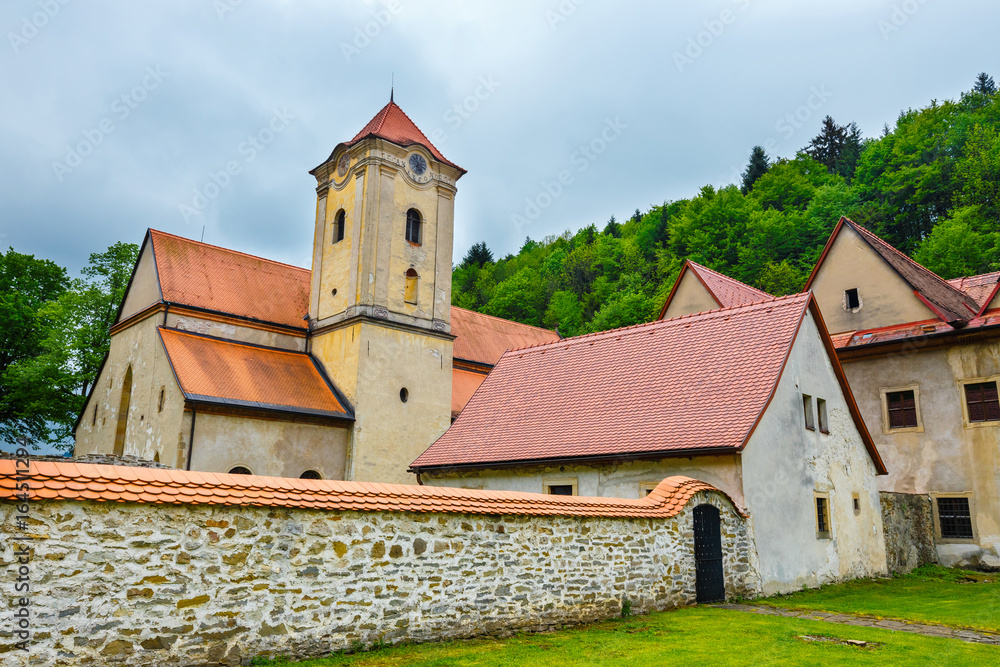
[[463, 385], [690, 383], [237, 374], [103, 483], [392, 124], [985, 323], [484, 338], [948, 302], [981, 288], [226, 281], [726, 291]]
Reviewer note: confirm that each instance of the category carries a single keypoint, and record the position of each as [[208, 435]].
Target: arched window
[[339, 226], [240, 470], [123, 407], [410, 291], [310, 474], [413, 226]]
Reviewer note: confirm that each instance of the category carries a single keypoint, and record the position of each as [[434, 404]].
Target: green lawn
[[690, 636], [928, 594]]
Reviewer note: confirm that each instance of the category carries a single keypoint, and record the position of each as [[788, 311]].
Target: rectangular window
[[560, 489], [646, 488], [983, 403], [822, 517], [856, 501], [902, 406], [824, 421], [955, 518], [807, 408], [851, 299]]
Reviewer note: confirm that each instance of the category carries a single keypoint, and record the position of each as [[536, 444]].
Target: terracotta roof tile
[[912, 330], [484, 338], [981, 288], [237, 374], [727, 292], [669, 497], [206, 276], [393, 124], [689, 383]]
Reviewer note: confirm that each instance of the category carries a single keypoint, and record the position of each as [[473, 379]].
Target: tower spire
[[392, 86]]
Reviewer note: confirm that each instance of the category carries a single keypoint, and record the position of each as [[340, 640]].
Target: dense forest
[[930, 185]]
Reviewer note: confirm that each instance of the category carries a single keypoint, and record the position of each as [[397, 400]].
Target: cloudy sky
[[118, 114]]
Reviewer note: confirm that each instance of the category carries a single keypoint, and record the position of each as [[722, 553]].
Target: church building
[[225, 362]]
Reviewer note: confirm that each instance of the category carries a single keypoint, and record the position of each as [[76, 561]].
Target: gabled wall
[[784, 465], [886, 299], [144, 290], [691, 296]]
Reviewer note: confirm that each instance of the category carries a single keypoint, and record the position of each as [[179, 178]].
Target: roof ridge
[[713, 313], [501, 319], [885, 244], [698, 266], [229, 250]]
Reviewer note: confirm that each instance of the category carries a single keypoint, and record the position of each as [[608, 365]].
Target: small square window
[[902, 409], [646, 488], [955, 518], [983, 403], [824, 421], [852, 300], [822, 517], [807, 409], [560, 489], [560, 486]]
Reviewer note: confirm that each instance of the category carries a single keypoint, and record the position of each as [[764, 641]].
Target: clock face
[[418, 165], [343, 164]]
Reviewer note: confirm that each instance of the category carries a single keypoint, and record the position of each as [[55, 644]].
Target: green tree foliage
[[478, 255], [757, 167], [930, 184], [44, 392]]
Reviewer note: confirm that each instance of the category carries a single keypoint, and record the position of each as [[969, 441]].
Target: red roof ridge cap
[[707, 313], [229, 250]]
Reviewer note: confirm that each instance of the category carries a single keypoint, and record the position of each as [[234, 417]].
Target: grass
[[689, 636], [928, 594]]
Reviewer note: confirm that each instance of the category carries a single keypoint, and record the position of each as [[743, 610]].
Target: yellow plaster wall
[[145, 288], [338, 351], [625, 480], [150, 433], [267, 447], [234, 332], [947, 455], [690, 297], [390, 434], [337, 259], [995, 303], [886, 299]]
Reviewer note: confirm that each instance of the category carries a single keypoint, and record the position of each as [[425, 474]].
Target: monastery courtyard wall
[[138, 583]]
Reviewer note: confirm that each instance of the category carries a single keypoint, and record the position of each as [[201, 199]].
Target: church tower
[[380, 298]]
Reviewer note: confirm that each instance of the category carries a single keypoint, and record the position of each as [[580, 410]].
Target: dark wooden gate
[[710, 582]]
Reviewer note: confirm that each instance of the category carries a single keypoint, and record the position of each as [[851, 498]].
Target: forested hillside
[[930, 185]]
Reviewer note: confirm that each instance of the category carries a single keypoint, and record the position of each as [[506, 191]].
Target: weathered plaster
[[236, 332], [948, 456], [784, 464], [145, 288], [132, 584], [886, 299]]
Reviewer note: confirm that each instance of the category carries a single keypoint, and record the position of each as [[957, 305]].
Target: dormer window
[[852, 300], [413, 226], [339, 226]]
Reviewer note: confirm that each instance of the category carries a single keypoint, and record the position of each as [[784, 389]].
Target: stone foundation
[[141, 584], [908, 521]]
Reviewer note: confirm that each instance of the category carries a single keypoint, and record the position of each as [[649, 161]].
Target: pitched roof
[[484, 338], [986, 324], [981, 288], [687, 384], [122, 484], [392, 124], [226, 281], [463, 385], [237, 374], [947, 301], [726, 291]]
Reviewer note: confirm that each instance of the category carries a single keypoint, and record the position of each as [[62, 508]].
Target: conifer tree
[[985, 85], [827, 146], [758, 166]]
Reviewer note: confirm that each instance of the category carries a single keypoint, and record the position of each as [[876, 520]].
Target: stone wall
[[147, 584], [908, 521]]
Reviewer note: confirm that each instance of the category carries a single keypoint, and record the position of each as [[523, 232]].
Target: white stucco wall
[[784, 464]]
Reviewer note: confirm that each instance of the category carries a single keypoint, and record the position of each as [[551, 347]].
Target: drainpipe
[[191, 438]]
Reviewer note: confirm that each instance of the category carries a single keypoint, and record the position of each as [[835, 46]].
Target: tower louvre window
[[413, 226], [339, 226]]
